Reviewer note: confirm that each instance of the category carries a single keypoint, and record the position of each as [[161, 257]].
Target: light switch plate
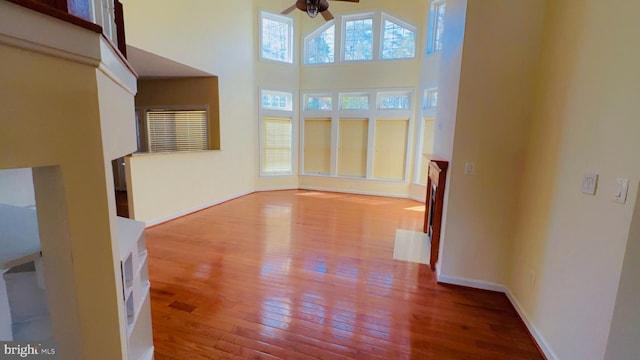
[[620, 190], [590, 183], [469, 168]]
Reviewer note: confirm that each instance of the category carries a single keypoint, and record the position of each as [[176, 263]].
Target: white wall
[[623, 341], [16, 187], [216, 39], [584, 120], [224, 41], [485, 124]]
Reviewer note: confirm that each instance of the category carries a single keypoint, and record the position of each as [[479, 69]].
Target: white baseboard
[[485, 285], [178, 214], [352, 191], [417, 198], [276, 188], [473, 283], [532, 328]]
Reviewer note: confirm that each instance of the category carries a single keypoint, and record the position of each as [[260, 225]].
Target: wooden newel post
[[436, 180]]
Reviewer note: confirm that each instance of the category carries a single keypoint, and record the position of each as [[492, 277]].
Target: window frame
[[428, 108], [291, 48], [318, 32], [433, 32], [404, 24], [427, 113], [375, 35], [370, 100], [307, 96], [276, 113], [289, 102], [406, 93], [378, 19]]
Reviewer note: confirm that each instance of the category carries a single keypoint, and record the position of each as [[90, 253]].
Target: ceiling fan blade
[[327, 15], [288, 10]]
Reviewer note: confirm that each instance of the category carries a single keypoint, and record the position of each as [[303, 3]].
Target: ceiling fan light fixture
[[312, 9]]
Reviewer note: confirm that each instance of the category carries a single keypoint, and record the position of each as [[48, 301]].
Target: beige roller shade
[[390, 149], [352, 147], [317, 146]]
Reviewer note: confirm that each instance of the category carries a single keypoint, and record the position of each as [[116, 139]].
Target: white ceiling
[[149, 65]]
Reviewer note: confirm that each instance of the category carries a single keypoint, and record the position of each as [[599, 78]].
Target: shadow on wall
[[624, 334]]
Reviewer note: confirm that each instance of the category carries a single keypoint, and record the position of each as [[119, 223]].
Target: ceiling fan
[[313, 7]]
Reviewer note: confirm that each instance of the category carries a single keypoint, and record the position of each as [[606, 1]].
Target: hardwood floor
[[310, 275]]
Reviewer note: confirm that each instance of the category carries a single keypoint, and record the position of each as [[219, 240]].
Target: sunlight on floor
[[416, 208], [412, 246], [346, 197], [321, 195]]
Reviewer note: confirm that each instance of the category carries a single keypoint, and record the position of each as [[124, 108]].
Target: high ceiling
[[149, 65]]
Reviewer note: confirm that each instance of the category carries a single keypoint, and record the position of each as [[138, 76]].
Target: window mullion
[[335, 133], [371, 133]]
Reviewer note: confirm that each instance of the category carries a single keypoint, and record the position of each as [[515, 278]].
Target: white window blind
[[276, 145], [181, 130]]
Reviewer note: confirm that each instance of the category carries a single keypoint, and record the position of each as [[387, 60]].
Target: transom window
[[430, 99], [277, 100], [394, 101], [276, 40], [319, 102], [354, 101]]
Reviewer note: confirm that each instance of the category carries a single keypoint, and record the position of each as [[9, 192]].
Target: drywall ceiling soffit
[[149, 65]]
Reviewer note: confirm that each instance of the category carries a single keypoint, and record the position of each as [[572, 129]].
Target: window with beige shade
[[390, 146], [317, 147], [366, 136], [276, 133], [352, 148]]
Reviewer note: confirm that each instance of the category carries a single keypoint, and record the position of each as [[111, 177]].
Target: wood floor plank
[[310, 275]]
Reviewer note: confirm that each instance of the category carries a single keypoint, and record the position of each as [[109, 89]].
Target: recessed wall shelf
[[136, 286]]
